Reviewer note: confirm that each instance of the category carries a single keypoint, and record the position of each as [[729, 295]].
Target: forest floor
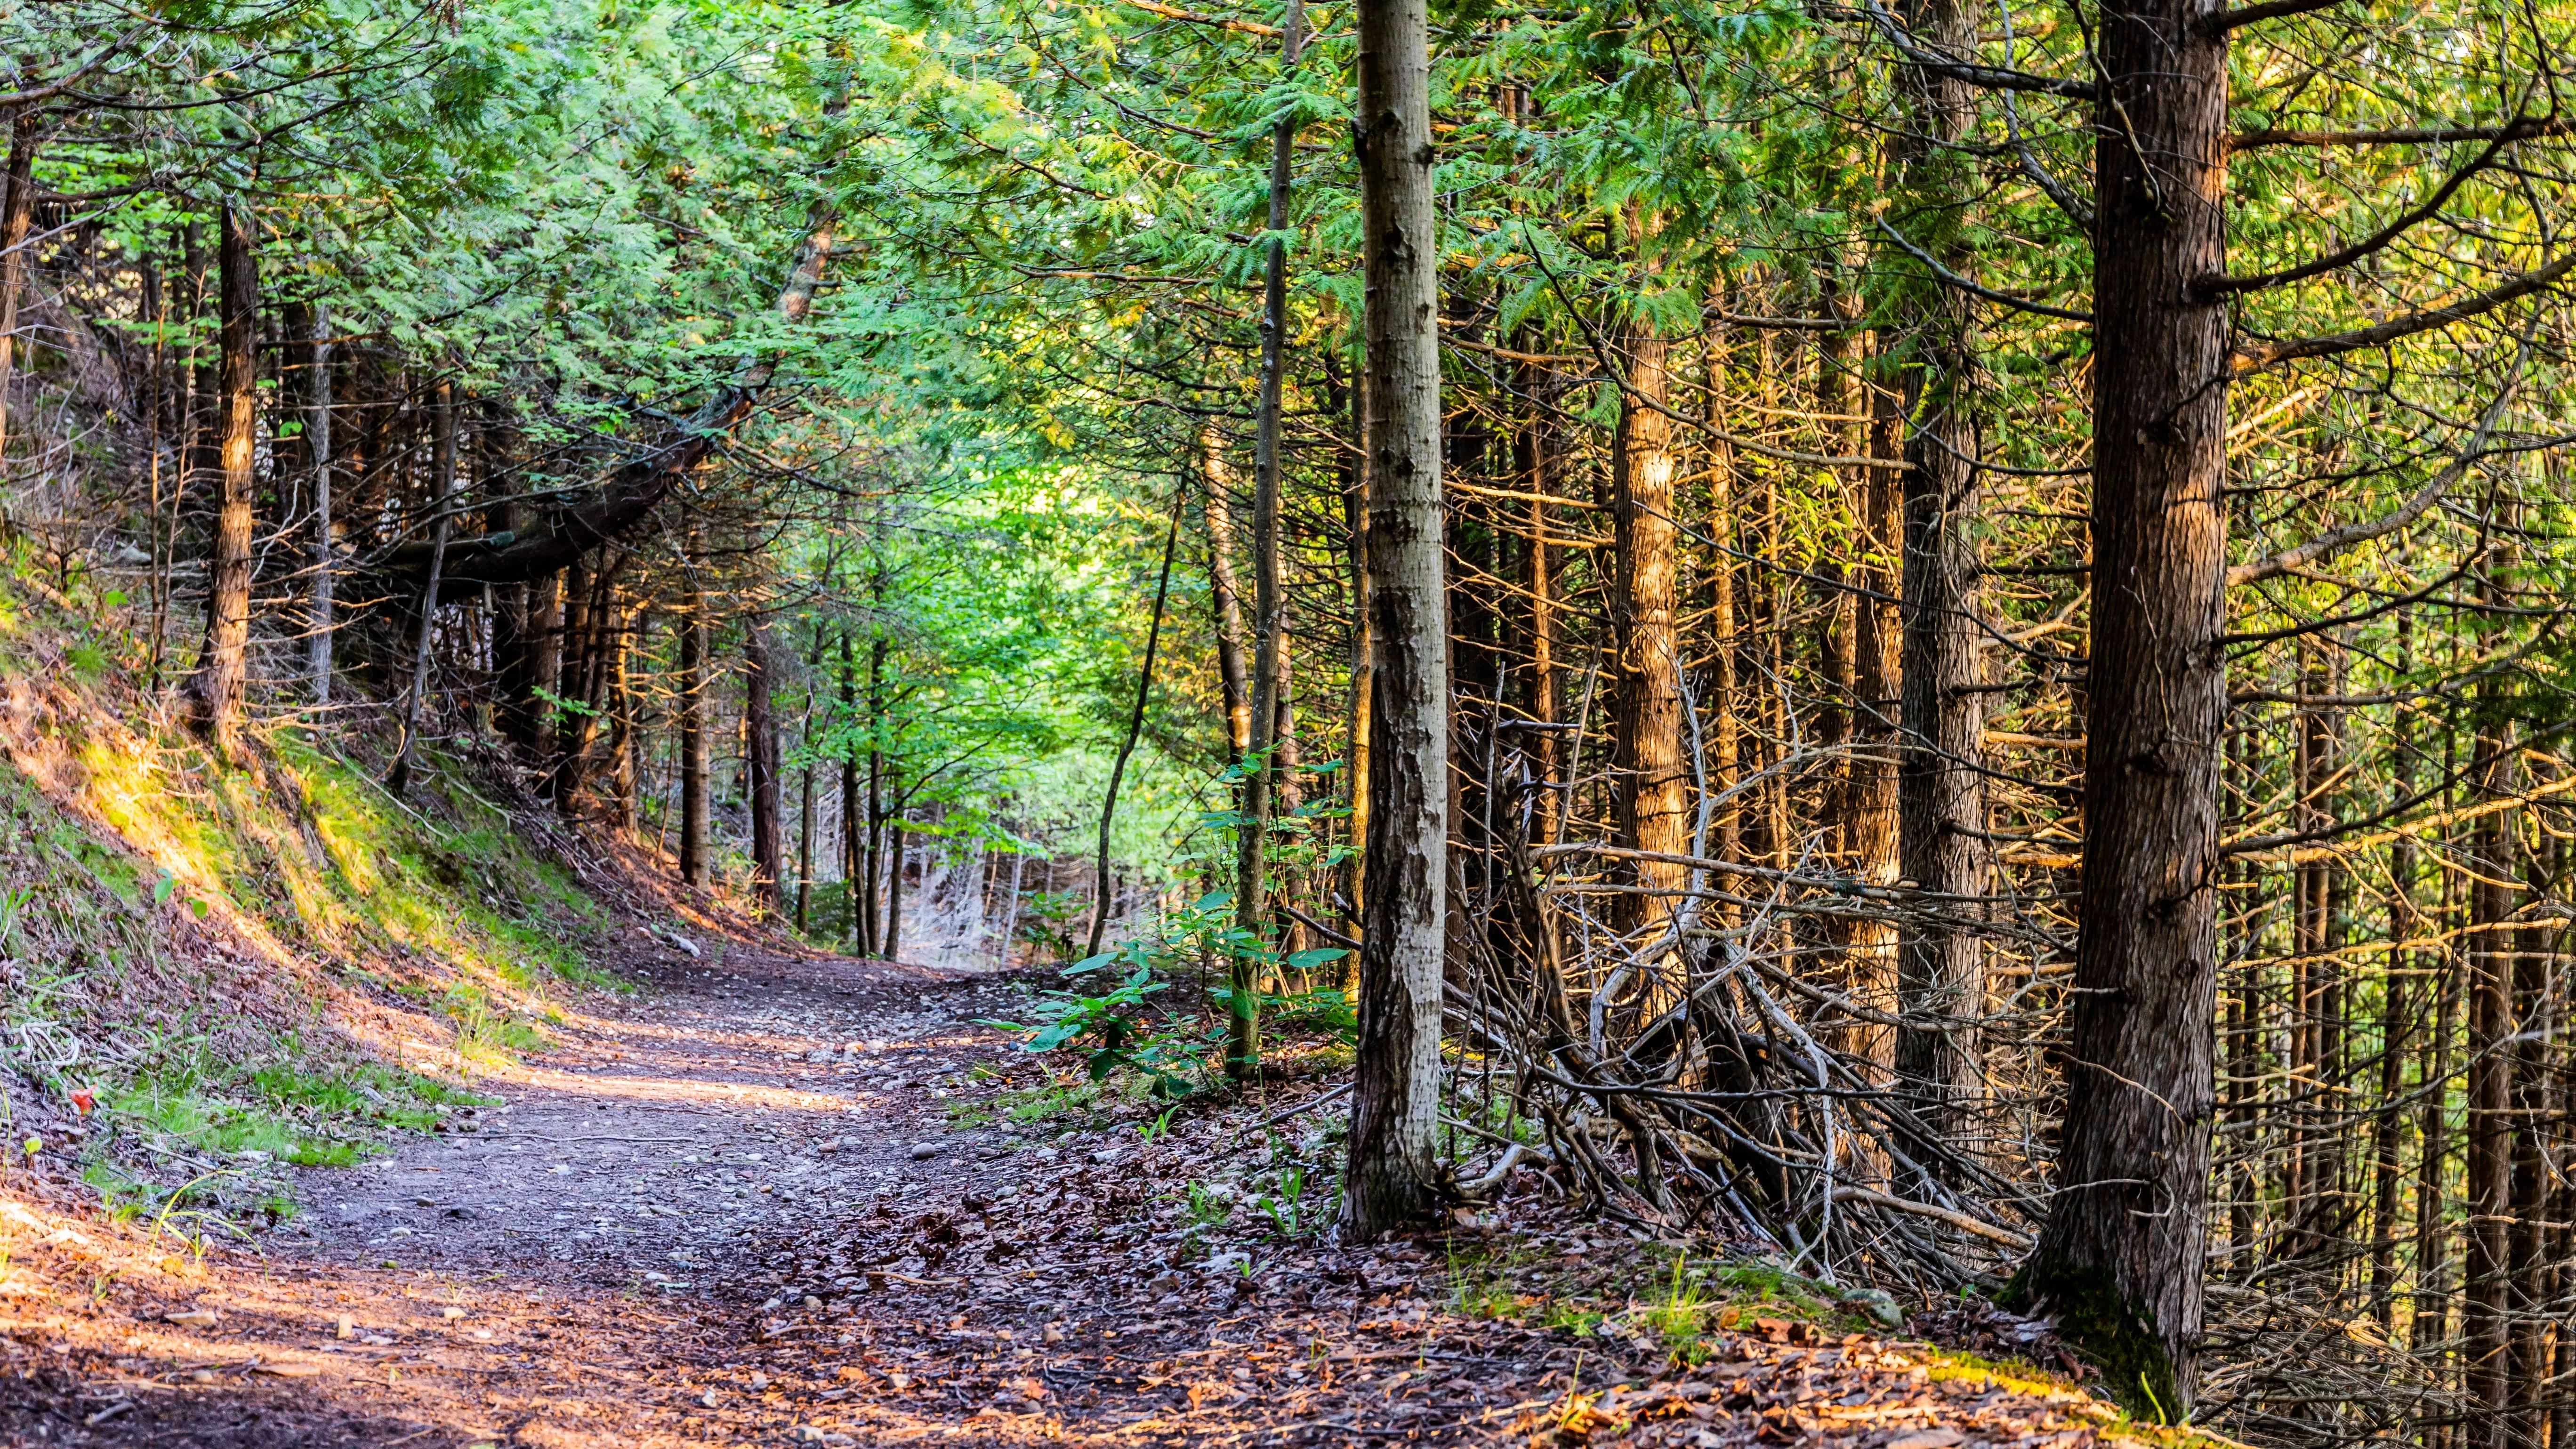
[[774, 1199]]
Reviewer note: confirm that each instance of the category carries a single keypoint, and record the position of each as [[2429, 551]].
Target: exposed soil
[[736, 1209]]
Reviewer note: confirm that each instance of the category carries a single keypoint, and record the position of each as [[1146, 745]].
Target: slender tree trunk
[[1653, 794], [215, 691], [1725, 747], [623, 769], [1393, 1167], [443, 473], [877, 931], [768, 855], [894, 887], [1536, 469], [697, 866], [2122, 1253], [1355, 512], [2488, 1298], [852, 820], [1224, 596], [1269, 663], [1135, 726], [1870, 812], [805, 789], [17, 210], [326, 557], [1941, 815], [571, 733]]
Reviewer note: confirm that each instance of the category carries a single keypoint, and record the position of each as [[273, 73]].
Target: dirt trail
[[734, 1210]]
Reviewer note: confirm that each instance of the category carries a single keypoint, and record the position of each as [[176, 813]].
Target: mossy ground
[[194, 957]]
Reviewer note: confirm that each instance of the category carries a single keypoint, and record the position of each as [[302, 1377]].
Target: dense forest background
[[839, 446]]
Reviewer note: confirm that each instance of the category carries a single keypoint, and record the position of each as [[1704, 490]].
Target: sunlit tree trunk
[[17, 210], [1393, 1168], [215, 691], [1223, 594], [2121, 1256], [1269, 650], [1653, 795], [1941, 814]]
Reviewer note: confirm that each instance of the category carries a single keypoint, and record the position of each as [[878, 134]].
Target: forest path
[[774, 1199]]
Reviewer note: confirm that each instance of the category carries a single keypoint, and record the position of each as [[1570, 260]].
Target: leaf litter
[[734, 1237]]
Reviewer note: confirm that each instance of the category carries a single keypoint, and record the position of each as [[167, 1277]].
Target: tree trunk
[[572, 734], [893, 946], [17, 209], [2122, 1253], [874, 934], [443, 473], [1870, 783], [326, 556], [1269, 663], [1940, 788], [2488, 1298], [1536, 470], [1654, 796], [1355, 514], [852, 821], [1135, 726], [1224, 596], [768, 857], [2397, 1023], [697, 866], [215, 691], [1393, 1167]]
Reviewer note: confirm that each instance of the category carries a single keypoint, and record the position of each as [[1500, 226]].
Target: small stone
[[197, 1318], [813, 1304], [924, 1151], [451, 1313], [708, 1398], [807, 1434]]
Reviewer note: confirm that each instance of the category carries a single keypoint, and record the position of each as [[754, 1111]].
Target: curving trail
[[735, 1210]]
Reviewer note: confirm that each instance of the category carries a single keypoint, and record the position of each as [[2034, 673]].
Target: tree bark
[[1940, 785], [768, 856], [326, 555], [17, 210], [697, 865], [2122, 1254], [571, 732], [1269, 663], [2488, 1186], [1393, 1170], [1355, 514], [1877, 686], [1224, 596], [1653, 795], [852, 822], [443, 473], [215, 691]]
